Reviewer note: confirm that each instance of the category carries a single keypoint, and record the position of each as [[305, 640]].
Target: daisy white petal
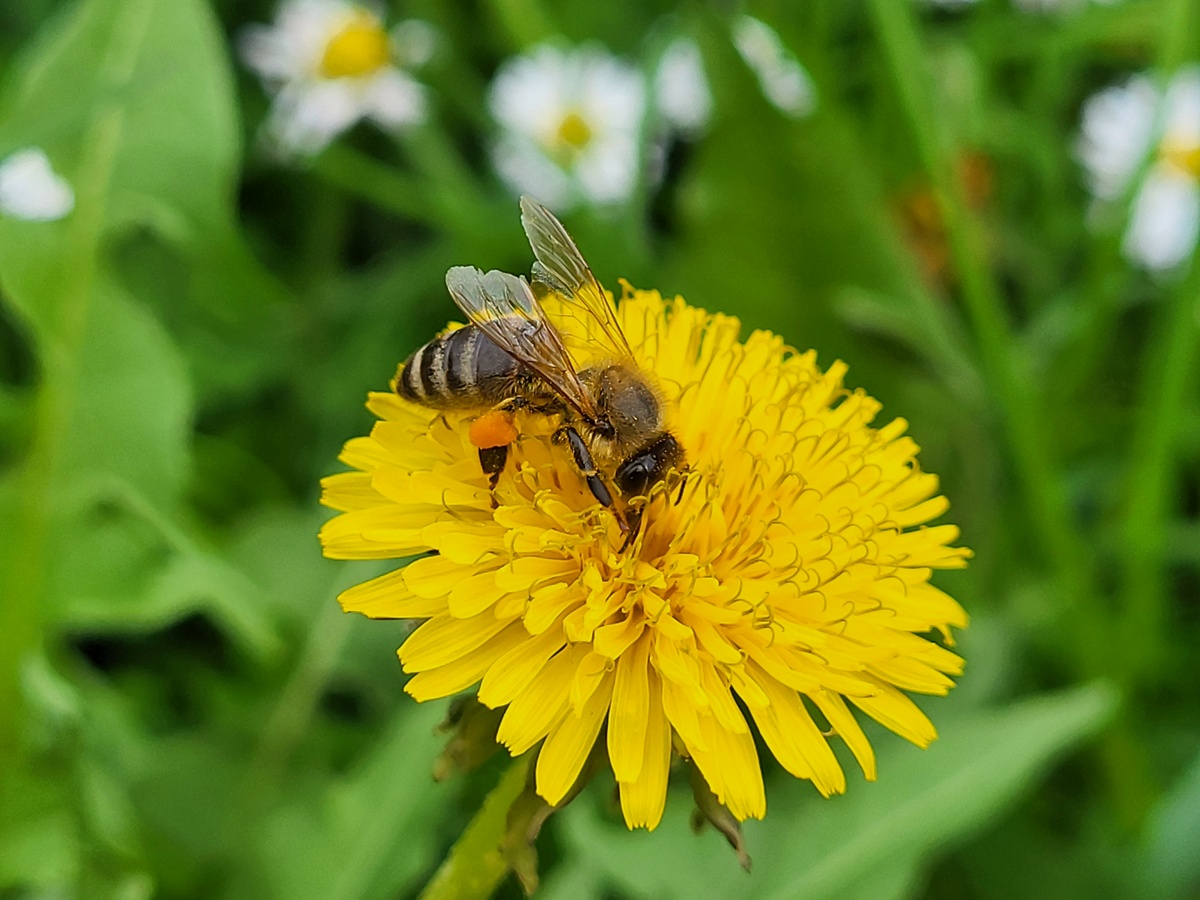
[[528, 170], [1166, 219], [307, 116], [681, 87], [1117, 134], [415, 42], [783, 80], [393, 99], [31, 189]]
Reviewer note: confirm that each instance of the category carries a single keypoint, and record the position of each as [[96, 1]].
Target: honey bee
[[511, 358]]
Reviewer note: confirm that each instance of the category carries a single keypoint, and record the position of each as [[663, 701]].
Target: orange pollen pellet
[[493, 429]]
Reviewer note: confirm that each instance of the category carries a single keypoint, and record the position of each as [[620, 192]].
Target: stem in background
[[475, 866], [373, 181], [286, 724], [525, 21], [1169, 367], [1023, 419]]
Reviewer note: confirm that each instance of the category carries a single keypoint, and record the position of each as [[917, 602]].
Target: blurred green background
[[185, 712]]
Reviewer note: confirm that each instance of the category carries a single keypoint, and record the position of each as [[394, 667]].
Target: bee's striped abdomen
[[460, 369]]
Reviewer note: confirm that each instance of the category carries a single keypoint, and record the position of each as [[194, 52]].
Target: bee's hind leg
[[492, 460], [492, 434]]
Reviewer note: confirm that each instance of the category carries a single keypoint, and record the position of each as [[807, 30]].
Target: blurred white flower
[[31, 189], [1034, 6], [681, 89], [571, 125], [1048, 6], [783, 80], [330, 63], [1135, 128]]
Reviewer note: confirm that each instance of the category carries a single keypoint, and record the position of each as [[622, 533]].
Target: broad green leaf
[[869, 843], [1173, 836], [149, 136], [158, 67], [370, 835]]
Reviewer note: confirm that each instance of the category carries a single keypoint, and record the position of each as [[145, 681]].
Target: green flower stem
[[1169, 368], [475, 866], [525, 21], [23, 571], [286, 724], [373, 181], [1023, 419]]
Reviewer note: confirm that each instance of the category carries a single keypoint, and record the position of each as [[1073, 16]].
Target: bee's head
[[603, 428], [646, 468]]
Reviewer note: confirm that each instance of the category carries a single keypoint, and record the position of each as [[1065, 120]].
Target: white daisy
[[1034, 6], [681, 91], [1135, 128], [1048, 6], [783, 80], [330, 63], [31, 189], [571, 125]]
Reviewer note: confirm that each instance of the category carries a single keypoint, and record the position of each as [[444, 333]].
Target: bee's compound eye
[[635, 476]]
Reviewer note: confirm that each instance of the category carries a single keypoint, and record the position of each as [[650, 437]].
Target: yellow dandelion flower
[[787, 577]]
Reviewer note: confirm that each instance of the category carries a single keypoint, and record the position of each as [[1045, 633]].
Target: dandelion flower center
[[360, 48], [783, 583]]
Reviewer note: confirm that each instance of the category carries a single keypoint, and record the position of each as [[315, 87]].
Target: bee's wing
[[561, 268], [505, 309]]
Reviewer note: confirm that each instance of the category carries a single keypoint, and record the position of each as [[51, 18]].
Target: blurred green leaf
[[370, 835], [1172, 838], [115, 405], [869, 843]]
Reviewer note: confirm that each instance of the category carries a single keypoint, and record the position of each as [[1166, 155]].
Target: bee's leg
[[683, 476], [634, 517], [492, 434], [586, 465], [492, 460]]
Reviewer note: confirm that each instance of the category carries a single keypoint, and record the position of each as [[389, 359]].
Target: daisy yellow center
[[360, 48], [574, 133], [1183, 156], [782, 587]]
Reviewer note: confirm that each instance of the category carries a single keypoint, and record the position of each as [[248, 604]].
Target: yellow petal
[[466, 670], [473, 595], [348, 491], [720, 701], [387, 597], [795, 739], [443, 639], [730, 766], [524, 572], [643, 800], [566, 748], [434, 576], [548, 606], [834, 708], [512, 673], [539, 707], [615, 639], [630, 708], [895, 711]]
